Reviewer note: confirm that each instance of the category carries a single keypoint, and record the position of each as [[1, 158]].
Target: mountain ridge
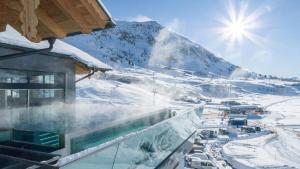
[[149, 44]]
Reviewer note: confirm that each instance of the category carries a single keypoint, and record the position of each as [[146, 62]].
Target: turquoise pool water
[[46, 132]]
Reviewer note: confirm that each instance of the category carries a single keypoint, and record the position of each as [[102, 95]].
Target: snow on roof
[[12, 37], [244, 107], [79, 55], [106, 11], [238, 119]]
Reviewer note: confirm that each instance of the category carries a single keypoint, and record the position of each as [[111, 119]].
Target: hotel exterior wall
[[46, 63]]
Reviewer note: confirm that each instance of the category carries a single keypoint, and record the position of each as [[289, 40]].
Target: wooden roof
[[42, 19]]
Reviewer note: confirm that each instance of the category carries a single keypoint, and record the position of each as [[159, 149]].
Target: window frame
[[38, 86]]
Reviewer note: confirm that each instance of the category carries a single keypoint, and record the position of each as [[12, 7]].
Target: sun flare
[[236, 28], [239, 26]]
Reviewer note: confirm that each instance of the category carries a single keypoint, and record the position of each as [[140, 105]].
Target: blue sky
[[274, 26]]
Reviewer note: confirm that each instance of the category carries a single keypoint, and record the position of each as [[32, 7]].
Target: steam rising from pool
[[65, 118]]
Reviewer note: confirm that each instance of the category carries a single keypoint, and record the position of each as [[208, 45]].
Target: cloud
[[140, 18]]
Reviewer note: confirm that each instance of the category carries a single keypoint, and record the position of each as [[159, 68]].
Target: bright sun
[[239, 26], [236, 31]]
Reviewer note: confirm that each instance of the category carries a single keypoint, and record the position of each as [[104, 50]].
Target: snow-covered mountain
[[148, 44]]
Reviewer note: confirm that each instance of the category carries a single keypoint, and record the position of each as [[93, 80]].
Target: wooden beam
[[2, 27], [68, 9], [43, 17], [95, 11], [29, 20], [50, 23], [11, 12], [3, 16], [13, 4], [81, 69]]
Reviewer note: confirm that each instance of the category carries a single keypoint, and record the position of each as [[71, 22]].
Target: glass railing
[[70, 129], [142, 150]]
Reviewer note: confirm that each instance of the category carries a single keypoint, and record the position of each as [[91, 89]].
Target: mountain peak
[[148, 44]]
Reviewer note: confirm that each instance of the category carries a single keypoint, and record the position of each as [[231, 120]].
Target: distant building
[[241, 111], [230, 103], [238, 122], [237, 113]]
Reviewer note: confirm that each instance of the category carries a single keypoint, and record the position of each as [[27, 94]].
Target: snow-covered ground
[[133, 87], [137, 84], [279, 149]]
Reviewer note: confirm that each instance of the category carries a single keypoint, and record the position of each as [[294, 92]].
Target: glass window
[[2, 99], [37, 79], [36, 94], [15, 93], [49, 79], [43, 93], [49, 93], [12, 76], [46, 78], [12, 96], [16, 98], [45, 96]]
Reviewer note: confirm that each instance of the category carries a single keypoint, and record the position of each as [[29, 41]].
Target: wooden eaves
[[43, 19]]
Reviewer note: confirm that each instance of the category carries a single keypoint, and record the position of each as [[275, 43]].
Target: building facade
[[35, 79]]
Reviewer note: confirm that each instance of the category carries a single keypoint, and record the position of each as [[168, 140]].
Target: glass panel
[[45, 96], [5, 135], [98, 137], [37, 79], [46, 93], [49, 79], [46, 78], [146, 149], [15, 76], [103, 160], [16, 98], [2, 99], [12, 76]]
